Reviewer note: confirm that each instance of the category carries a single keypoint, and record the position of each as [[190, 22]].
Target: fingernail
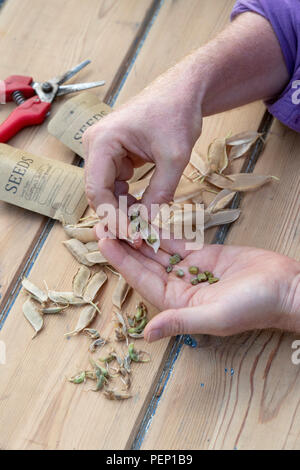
[[154, 335]]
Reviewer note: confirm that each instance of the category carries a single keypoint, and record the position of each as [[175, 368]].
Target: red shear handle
[[30, 113], [18, 83]]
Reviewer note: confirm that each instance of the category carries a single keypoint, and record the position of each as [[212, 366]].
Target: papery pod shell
[[78, 250], [33, 315], [94, 285], [138, 188], [120, 293], [65, 298], [220, 218], [217, 156], [83, 234], [34, 291], [186, 189], [95, 257], [80, 280], [86, 317], [243, 138], [200, 162], [239, 181], [92, 246], [222, 200]]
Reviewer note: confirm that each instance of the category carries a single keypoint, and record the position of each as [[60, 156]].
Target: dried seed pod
[[65, 298], [221, 201], [53, 310], [126, 379], [169, 268], [241, 143], [33, 316], [78, 378], [86, 317], [92, 246], [186, 190], [121, 330], [80, 280], [217, 156], [202, 277], [136, 335], [112, 395], [200, 162], [138, 188], [34, 291], [78, 250], [95, 257], [97, 344], [94, 285], [126, 363], [137, 356], [194, 281], [107, 359], [239, 181], [94, 334], [222, 217], [120, 293], [83, 234]]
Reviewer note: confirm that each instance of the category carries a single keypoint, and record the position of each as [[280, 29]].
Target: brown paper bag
[[39, 184]]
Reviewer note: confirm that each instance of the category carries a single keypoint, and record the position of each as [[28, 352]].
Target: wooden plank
[[38, 408], [44, 39], [258, 406]]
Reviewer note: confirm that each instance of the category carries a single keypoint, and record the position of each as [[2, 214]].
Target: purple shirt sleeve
[[284, 16]]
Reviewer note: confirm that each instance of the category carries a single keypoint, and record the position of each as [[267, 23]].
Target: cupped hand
[[256, 289]]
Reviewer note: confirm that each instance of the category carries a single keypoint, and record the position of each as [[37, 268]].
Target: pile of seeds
[[194, 270]]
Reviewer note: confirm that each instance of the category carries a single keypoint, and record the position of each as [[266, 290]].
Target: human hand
[[160, 126], [257, 288]]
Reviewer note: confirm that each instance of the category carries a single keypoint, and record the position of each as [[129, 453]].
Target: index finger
[[103, 163]]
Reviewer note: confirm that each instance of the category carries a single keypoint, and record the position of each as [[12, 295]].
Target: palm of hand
[[253, 290]]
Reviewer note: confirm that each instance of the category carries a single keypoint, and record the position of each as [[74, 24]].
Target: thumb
[[162, 184], [205, 319]]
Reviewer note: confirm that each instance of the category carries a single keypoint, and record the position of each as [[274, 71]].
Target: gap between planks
[[177, 343], [110, 97]]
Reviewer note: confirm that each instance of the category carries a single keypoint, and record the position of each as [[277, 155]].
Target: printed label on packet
[[2, 92], [75, 117], [45, 186]]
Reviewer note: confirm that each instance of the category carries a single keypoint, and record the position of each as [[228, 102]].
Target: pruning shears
[[34, 99]]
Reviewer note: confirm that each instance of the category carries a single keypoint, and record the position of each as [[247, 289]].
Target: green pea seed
[[193, 270], [212, 280], [169, 268], [174, 259], [202, 277], [194, 281], [208, 274], [180, 273]]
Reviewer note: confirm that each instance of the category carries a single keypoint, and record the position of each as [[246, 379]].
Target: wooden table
[[239, 392]]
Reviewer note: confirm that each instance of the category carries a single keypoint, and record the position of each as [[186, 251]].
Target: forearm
[[244, 63]]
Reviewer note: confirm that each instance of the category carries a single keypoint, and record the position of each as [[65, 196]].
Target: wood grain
[[258, 407], [38, 408], [42, 40]]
